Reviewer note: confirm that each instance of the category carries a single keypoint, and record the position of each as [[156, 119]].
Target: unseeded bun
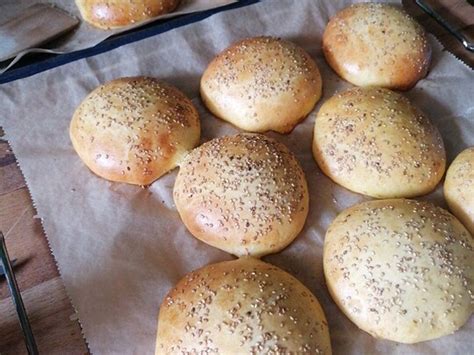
[[109, 14], [134, 130], [243, 306], [374, 142], [245, 194], [377, 45], [262, 84], [400, 269], [459, 188]]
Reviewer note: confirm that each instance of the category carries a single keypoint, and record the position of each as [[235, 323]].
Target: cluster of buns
[[111, 14], [399, 269], [245, 194]]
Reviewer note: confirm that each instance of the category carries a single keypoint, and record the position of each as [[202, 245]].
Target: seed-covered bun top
[[245, 194], [110, 14], [401, 269], [134, 130], [243, 306], [373, 44], [375, 142], [459, 188], [261, 84]]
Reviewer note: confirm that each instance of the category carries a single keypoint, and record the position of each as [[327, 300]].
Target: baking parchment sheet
[[86, 35], [120, 248]]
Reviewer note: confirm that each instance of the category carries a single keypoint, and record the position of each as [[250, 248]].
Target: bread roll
[[400, 269], [459, 188], [243, 306], [134, 130], [261, 84], [374, 142], [245, 194], [110, 14], [372, 44]]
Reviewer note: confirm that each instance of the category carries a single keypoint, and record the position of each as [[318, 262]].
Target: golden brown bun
[[134, 129], [377, 45], [459, 188], [245, 194], [109, 14], [374, 142], [400, 269], [243, 306], [261, 84]]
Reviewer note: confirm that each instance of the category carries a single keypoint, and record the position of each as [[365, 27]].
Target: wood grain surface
[[53, 319]]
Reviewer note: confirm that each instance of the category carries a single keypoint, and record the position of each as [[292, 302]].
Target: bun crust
[[377, 45], [374, 142], [134, 130], [245, 194], [400, 269], [459, 188], [110, 14], [243, 306], [261, 84]]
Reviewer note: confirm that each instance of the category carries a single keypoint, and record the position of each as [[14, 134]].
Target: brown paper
[[120, 248], [86, 35]]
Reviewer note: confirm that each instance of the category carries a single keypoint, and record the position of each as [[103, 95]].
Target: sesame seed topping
[[131, 129], [252, 324], [386, 233], [240, 192]]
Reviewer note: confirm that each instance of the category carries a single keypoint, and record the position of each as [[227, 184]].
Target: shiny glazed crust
[[134, 130], [377, 45], [243, 306], [110, 14], [374, 142], [245, 194], [459, 188], [400, 269], [261, 84]]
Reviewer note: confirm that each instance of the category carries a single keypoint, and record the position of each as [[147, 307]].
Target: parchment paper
[[85, 35], [120, 248]]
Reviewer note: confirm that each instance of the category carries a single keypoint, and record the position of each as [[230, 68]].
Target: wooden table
[[53, 319]]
